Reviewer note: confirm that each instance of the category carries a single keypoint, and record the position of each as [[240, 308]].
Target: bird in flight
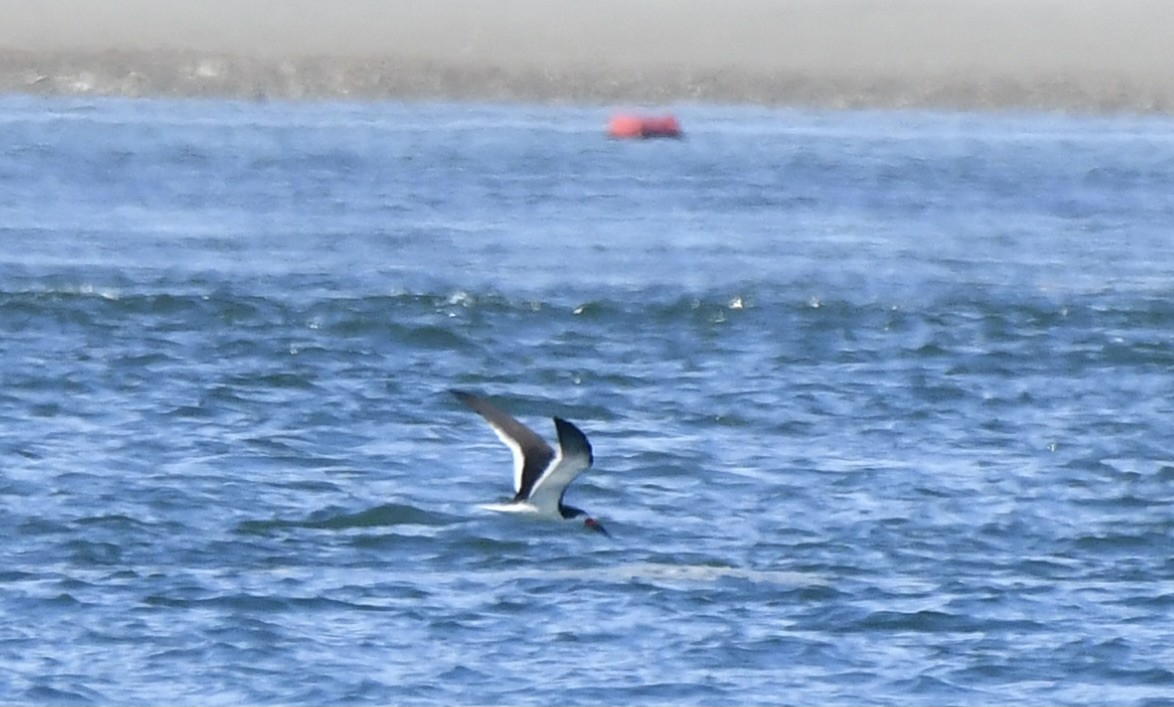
[[541, 474]]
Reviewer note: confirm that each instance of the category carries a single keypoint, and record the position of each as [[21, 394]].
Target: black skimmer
[[541, 475]]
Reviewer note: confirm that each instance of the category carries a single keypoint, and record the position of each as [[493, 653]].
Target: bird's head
[[595, 525]]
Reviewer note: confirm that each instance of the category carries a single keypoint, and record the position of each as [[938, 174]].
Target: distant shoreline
[[1091, 56], [192, 74]]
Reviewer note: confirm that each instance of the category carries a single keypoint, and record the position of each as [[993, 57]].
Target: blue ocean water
[[881, 405]]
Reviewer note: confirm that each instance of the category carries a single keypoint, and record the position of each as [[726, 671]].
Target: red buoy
[[643, 126]]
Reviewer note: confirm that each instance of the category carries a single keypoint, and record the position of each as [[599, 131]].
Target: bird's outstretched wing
[[533, 457], [574, 456]]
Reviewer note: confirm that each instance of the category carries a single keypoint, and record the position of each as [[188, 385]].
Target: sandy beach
[[1070, 55]]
